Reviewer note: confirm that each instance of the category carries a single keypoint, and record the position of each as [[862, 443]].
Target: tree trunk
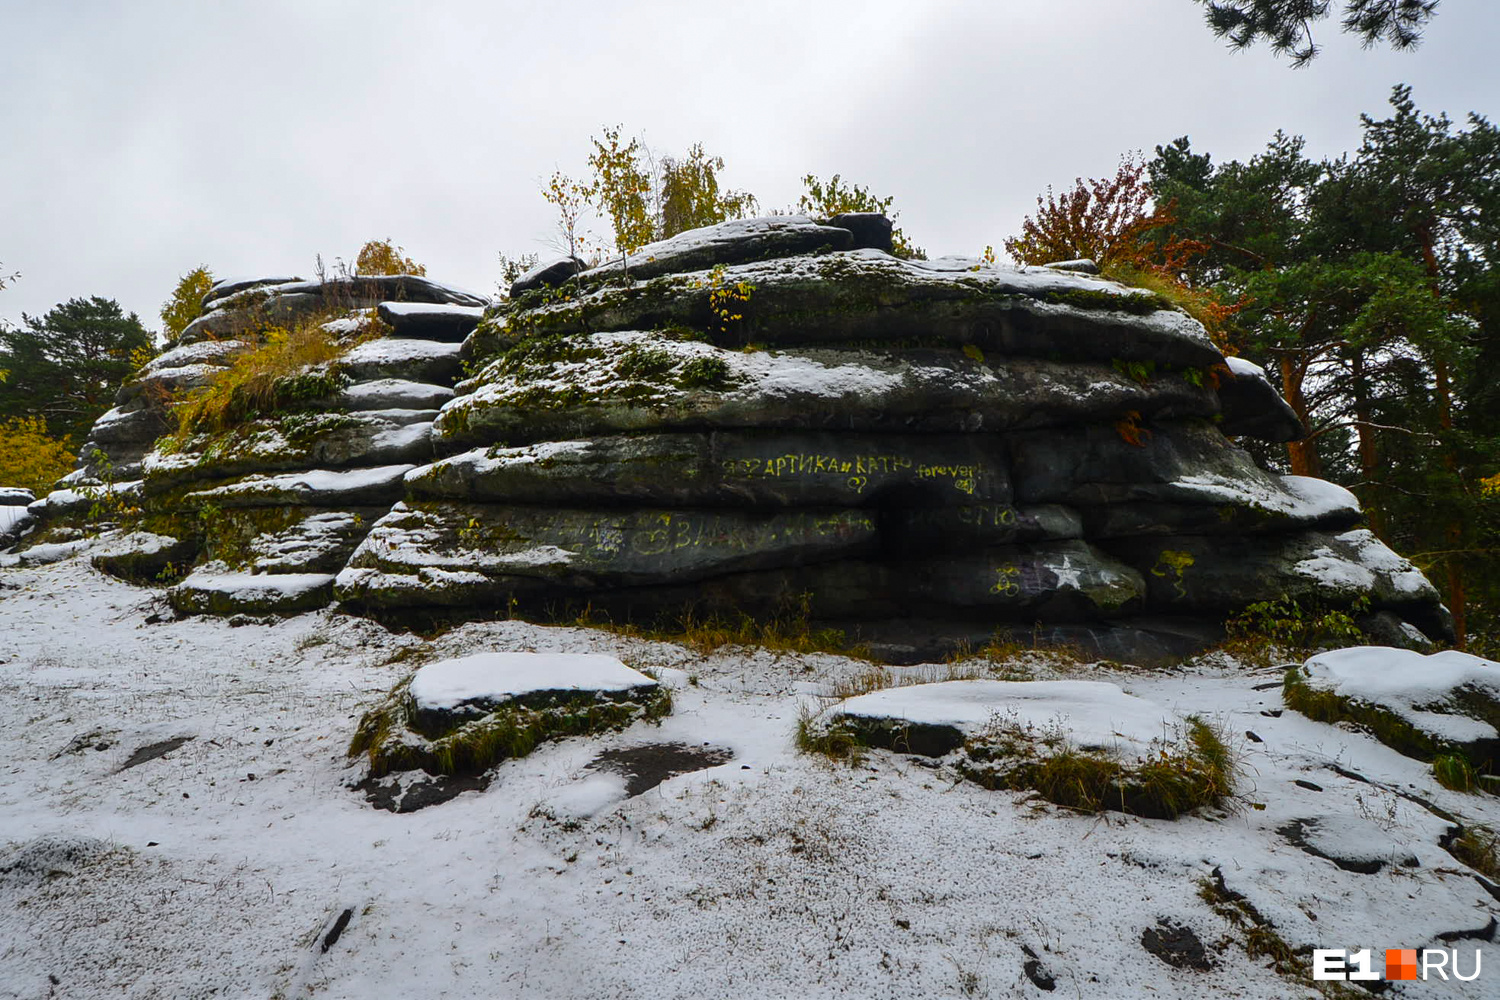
[[1454, 533], [1369, 453], [1303, 454]]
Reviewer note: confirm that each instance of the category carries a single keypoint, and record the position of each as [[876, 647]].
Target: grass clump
[[1195, 769], [838, 741], [394, 736], [1478, 847], [291, 368], [1453, 771]]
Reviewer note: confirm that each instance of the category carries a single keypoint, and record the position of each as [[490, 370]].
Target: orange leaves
[[1103, 219], [1130, 430]]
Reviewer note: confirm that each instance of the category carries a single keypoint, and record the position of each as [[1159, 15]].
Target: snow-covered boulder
[[1081, 744], [14, 517], [1421, 705], [207, 591], [460, 717]]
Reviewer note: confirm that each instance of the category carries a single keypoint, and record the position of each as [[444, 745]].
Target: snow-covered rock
[[477, 684], [1449, 698], [934, 719], [207, 591]]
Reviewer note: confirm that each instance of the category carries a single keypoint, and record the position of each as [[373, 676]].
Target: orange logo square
[[1401, 963]]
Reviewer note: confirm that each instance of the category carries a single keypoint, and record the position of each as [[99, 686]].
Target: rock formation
[[764, 417]]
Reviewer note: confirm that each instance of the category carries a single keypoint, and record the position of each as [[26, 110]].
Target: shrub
[[291, 367], [1286, 625], [382, 257], [29, 457], [186, 303]]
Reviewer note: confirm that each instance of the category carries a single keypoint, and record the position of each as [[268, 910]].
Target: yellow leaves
[[725, 300], [382, 257], [29, 457], [1490, 486], [186, 303]]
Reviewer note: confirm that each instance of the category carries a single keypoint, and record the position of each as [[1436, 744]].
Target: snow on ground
[[175, 823]]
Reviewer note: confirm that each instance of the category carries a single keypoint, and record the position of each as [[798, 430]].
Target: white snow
[[1299, 497], [141, 542], [10, 517], [1372, 552], [775, 875], [1318, 497], [492, 678], [432, 309], [1241, 368], [401, 438], [1366, 562], [395, 392], [205, 352], [1093, 713], [724, 233], [395, 350], [1411, 685], [254, 586], [307, 485]]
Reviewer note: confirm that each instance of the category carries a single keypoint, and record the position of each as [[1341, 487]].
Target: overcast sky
[[141, 138]]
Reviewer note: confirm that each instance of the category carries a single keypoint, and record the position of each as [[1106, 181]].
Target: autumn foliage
[[31, 458], [1104, 220]]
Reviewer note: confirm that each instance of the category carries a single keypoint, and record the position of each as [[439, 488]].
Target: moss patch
[[1385, 725], [392, 738]]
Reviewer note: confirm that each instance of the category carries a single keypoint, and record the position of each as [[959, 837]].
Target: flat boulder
[[292, 443], [1065, 580], [547, 275], [871, 230], [736, 242], [210, 591], [870, 297], [729, 468], [403, 358], [1217, 574], [443, 321], [585, 386], [1169, 477], [144, 556], [317, 487], [462, 716], [393, 394], [1253, 407], [936, 719], [571, 550], [282, 303], [320, 542]]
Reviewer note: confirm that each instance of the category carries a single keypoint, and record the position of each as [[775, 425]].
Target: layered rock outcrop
[[766, 415]]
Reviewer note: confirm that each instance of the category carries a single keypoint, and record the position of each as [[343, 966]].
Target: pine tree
[[1286, 25], [67, 365]]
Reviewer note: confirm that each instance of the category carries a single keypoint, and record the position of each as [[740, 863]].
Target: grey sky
[[143, 138]]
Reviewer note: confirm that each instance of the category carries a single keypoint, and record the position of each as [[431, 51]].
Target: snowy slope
[[220, 867]]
